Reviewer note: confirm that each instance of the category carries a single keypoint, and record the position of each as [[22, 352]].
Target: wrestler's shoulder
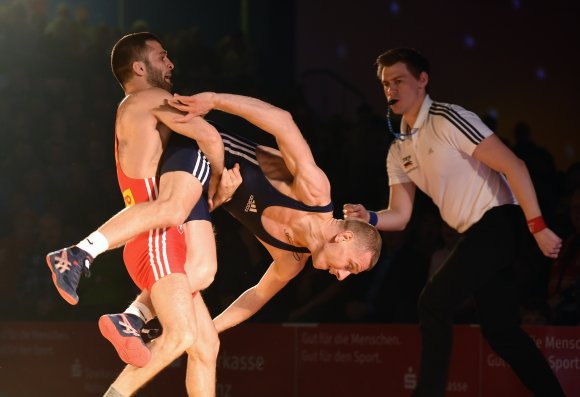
[[145, 100], [155, 92]]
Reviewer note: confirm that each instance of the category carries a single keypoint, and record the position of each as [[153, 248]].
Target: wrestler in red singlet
[[157, 252]]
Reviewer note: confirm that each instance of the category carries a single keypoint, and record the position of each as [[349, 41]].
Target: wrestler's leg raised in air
[[178, 193]]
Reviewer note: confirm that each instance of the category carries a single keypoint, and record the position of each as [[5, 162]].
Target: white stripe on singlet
[[158, 253], [157, 242], [201, 169], [151, 187], [243, 149], [205, 175], [157, 256], [155, 188], [151, 255], [164, 245]]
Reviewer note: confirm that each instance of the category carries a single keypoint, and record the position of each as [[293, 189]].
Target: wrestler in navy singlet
[[252, 197], [256, 193]]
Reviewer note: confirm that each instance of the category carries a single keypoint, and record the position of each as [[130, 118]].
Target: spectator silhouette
[[564, 281]]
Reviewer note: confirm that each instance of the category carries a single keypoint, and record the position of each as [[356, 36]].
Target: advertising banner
[[292, 360]]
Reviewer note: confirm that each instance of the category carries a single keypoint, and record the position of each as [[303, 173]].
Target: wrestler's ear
[[345, 235], [139, 68]]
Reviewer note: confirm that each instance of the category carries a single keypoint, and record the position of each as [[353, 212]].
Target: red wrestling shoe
[[124, 332]]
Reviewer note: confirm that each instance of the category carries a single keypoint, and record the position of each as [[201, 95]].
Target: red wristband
[[536, 225]]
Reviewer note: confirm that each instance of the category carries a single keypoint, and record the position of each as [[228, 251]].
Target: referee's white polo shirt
[[438, 159]]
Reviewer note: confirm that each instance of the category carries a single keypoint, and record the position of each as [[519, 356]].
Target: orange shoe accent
[[130, 349], [73, 300]]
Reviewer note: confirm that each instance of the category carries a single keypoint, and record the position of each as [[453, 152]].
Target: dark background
[[515, 59]]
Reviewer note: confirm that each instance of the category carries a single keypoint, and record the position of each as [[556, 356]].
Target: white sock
[[95, 244], [139, 309]]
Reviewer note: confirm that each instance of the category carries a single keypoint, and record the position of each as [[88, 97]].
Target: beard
[[155, 78]]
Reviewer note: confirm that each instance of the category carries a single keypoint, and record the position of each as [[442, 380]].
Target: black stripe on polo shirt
[[458, 121]]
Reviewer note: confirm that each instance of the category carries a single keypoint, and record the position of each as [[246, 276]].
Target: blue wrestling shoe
[[124, 332], [66, 266]]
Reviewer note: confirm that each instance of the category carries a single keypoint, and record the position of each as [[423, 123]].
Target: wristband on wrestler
[[536, 224], [374, 218]]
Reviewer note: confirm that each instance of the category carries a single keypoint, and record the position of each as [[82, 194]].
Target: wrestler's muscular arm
[[310, 184], [207, 137], [281, 271]]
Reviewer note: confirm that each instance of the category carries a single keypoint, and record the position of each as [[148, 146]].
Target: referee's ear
[[423, 81]]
